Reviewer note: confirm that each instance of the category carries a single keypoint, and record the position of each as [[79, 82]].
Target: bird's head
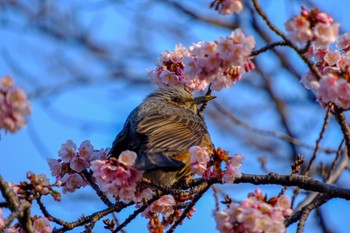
[[179, 97]]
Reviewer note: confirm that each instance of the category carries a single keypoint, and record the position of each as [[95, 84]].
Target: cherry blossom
[[163, 206], [38, 185], [127, 158], [221, 63], [255, 214], [231, 171], [200, 156], [343, 41], [73, 161], [227, 7], [118, 179], [41, 225], [14, 106], [72, 182], [312, 26], [299, 28], [334, 67], [67, 151]]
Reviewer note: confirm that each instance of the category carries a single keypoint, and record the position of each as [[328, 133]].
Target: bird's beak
[[203, 99]]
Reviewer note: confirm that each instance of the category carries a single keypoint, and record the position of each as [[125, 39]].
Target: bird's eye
[[176, 99]]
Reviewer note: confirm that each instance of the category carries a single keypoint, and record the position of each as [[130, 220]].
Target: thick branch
[[20, 210]]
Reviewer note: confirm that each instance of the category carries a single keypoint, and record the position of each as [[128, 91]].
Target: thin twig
[[280, 107], [343, 164], [188, 208], [302, 214], [97, 189], [314, 154], [93, 217], [216, 197], [322, 221], [268, 47], [204, 105], [338, 154], [133, 215], [317, 146]]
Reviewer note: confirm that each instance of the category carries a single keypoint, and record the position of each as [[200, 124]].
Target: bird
[[161, 130]]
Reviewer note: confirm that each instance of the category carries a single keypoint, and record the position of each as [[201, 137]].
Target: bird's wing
[[168, 132], [171, 131]]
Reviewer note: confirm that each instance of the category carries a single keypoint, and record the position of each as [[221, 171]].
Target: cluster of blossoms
[[255, 214], [334, 66], [40, 225], [14, 106], [72, 162], [117, 177], [166, 207], [37, 186], [210, 166], [312, 26], [220, 63], [227, 7], [163, 206]]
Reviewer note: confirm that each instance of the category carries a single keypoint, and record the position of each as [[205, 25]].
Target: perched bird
[[161, 130]]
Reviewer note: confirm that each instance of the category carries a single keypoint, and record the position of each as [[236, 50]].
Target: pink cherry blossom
[[299, 28], [312, 26], [145, 195], [199, 159], [232, 166], [127, 158], [68, 151], [39, 183], [325, 34], [334, 67], [41, 225], [227, 7], [328, 88], [85, 149], [72, 182], [117, 179], [55, 167], [344, 62], [284, 204], [343, 41], [332, 57], [76, 160], [254, 215], [78, 164], [163, 206], [14, 106], [99, 154], [219, 62]]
